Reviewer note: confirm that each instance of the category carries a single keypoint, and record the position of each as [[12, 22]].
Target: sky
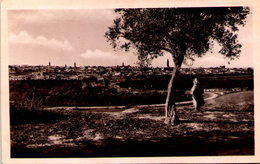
[[67, 36]]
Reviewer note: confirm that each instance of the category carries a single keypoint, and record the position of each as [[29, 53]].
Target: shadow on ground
[[221, 129]]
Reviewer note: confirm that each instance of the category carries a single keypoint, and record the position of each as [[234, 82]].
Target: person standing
[[197, 94]]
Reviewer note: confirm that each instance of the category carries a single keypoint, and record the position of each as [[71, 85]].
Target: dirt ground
[[225, 126]]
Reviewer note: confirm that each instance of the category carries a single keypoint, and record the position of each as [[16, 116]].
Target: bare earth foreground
[[224, 127]]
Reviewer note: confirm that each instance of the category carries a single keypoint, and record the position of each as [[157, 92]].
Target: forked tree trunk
[[171, 117]]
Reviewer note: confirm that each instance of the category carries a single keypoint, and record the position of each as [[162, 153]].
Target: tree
[[185, 33]]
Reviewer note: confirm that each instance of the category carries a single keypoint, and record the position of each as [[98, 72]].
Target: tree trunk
[[171, 117]]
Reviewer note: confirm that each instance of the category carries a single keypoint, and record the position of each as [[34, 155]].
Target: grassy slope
[[234, 101], [224, 128]]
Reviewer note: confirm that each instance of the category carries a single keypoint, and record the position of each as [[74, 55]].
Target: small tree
[[185, 33]]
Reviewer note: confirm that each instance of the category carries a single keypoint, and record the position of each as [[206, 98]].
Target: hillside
[[223, 128]]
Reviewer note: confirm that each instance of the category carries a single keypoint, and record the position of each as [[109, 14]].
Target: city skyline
[[61, 37]]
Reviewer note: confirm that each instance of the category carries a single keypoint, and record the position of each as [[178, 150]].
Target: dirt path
[[210, 95]]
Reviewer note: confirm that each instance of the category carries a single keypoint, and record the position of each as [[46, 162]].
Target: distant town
[[49, 72]]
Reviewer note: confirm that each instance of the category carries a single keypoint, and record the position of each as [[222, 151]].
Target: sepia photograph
[[131, 82]]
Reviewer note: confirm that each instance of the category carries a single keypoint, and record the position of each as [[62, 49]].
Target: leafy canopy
[[183, 32]]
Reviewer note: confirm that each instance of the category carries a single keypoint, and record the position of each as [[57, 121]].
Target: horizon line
[[125, 66]]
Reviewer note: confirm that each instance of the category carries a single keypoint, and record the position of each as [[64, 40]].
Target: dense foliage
[[182, 32]]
